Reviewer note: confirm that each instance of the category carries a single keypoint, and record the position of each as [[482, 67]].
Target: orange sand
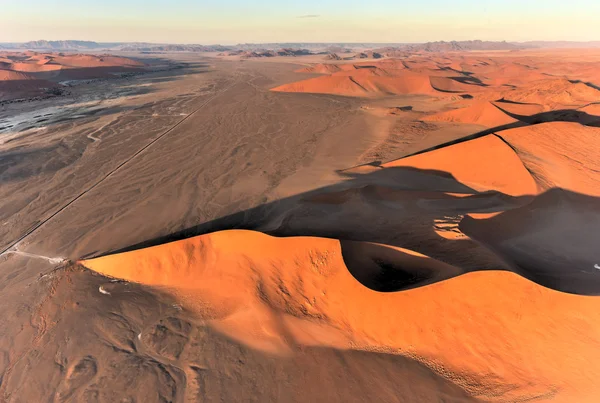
[[559, 154], [475, 164], [481, 113]]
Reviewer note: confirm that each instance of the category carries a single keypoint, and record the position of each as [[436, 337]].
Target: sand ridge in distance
[[45, 70]]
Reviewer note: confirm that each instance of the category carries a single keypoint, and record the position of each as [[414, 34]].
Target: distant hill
[[60, 45], [146, 47], [313, 46], [295, 49], [247, 54], [457, 46]]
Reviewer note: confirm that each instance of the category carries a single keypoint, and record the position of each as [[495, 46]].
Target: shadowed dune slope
[[14, 82], [8, 75], [553, 240]]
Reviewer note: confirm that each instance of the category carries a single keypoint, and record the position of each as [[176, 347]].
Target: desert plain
[[185, 227]]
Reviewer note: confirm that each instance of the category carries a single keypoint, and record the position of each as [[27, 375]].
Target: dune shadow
[[427, 211], [553, 240], [561, 115], [471, 80], [589, 84], [377, 214]]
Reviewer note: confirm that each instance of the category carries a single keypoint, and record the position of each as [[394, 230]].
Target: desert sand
[[405, 229]]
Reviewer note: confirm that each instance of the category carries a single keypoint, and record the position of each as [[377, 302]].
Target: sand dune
[[34, 67], [95, 61], [593, 110], [326, 68], [385, 77], [474, 163], [558, 154], [18, 83], [55, 67], [326, 85], [554, 94], [529, 80], [367, 83], [518, 108], [298, 291], [8, 75], [481, 113]]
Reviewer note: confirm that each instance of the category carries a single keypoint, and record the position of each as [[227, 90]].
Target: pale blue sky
[[235, 21]]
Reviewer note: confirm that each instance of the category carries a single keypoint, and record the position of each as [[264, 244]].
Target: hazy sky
[[237, 21]]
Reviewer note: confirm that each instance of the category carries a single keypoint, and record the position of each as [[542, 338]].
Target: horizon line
[[298, 42]]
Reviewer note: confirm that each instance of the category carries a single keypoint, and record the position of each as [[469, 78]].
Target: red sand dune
[[325, 85], [559, 154], [511, 74], [521, 109], [447, 84], [55, 67], [13, 82], [326, 68], [34, 67], [474, 163], [482, 113], [385, 77], [592, 109], [365, 83], [554, 94], [8, 75], [36, 62], [95, 61], [482, 330]]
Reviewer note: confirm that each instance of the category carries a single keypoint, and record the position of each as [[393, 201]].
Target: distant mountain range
[[151, 47], [439, 46], [456, 46]]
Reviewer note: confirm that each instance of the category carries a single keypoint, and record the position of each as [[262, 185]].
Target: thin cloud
[[309, 16]]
